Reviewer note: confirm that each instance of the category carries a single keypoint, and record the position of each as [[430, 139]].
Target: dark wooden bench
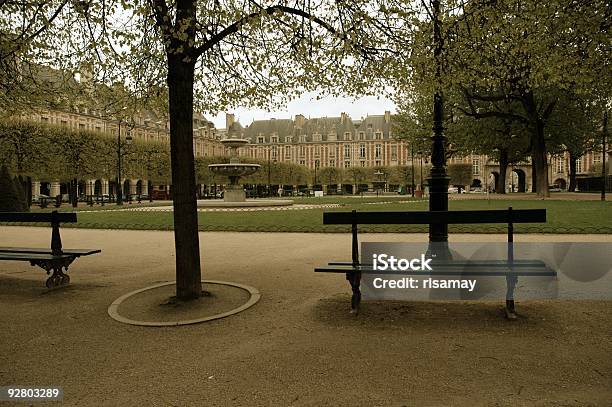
[[55, 259], [444, 266]]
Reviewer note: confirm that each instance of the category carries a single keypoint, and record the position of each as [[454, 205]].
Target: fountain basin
[[234, 169]]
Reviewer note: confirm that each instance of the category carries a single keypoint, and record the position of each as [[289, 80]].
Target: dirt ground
[[299, 345]]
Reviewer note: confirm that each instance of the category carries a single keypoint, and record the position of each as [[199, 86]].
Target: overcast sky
[[310, 107]]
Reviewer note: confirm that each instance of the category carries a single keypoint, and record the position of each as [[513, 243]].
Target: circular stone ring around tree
[[114, 307]]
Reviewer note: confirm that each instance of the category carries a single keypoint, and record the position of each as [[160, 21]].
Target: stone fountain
[[234, 170], [234, 194]]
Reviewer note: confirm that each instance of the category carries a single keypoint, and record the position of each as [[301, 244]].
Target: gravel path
[[298, 345]]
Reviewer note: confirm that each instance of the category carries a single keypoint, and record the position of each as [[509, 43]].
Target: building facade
[[339, 142], [145, 127]]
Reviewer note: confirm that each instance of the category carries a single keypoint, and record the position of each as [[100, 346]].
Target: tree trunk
[[500, 188], [186, 239], [541, 161], [572, 172]]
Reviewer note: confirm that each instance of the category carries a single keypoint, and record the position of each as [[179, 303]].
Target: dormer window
[[274, 139], [261, 139]]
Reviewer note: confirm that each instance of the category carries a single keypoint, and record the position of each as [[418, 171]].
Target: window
[[302, 162], [317, 150], [378, 135], [596, 158], [347, 164], [560, 165], [98, 128], [261, 139], [347, 151], [332, 163], [579, 165], [64, 123], [476, 166], [288, 139], [347, 136], [302, 151], [377, 163], [361, 135], [274, 152], [394, 152], [44, 119], [362, 163], [274, 139], [302, 139], [287, 151], [316, 137], [378, 151], [317, 163], [362, 151]]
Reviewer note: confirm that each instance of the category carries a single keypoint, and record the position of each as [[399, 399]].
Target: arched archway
[[126, 188], [139, 187], [561, 183], [518, 180], [495, 186], [81, 188], [45, 188], [97, 188]]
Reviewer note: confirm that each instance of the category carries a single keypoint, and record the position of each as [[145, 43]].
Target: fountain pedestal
[[234, 193]]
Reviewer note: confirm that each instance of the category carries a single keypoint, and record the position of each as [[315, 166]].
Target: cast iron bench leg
[[57, 277], [510, 286], [355, 280]]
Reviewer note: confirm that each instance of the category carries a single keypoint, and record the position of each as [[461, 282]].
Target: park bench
[[509, 268], [53, 259]]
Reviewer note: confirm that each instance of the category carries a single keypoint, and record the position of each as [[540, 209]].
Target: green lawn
[[563, 217]]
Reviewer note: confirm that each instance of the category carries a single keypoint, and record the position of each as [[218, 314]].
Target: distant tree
[[356, 175], [24, 207], [460, 174], [9, 197], [330, 175]]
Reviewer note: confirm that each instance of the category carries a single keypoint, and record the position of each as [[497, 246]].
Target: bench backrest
[[424, 217], [55, 218], [508, 216], [46, 217]]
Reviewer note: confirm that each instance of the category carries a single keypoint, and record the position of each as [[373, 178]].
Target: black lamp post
[[438, 180], [128, 140]]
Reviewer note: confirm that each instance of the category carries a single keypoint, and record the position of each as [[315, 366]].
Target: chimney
[[229, 120], [300, 120], [343, 118], [387, 116]]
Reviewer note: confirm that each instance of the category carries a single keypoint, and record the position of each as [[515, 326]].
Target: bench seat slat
[[425, 217], [32, 256], [73, 252]]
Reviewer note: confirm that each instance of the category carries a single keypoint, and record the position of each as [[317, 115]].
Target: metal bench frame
[[354, 269], [54, 261]]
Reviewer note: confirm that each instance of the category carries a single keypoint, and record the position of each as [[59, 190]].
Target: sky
[[310, 107]]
